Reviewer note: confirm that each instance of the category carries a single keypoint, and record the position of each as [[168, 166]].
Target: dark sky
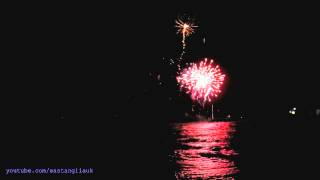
[[87, 58], [268, 50]]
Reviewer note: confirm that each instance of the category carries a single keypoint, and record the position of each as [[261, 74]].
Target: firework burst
[[185, 28], [203, 81]]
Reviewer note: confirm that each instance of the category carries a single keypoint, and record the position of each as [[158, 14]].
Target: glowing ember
[[202, 81]]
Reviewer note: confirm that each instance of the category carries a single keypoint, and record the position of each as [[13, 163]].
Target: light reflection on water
[[203, 150]]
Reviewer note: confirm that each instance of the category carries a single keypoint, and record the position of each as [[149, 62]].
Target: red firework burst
[[203, 81]]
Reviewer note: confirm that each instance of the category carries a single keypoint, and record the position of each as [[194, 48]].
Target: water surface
[[202, 150]]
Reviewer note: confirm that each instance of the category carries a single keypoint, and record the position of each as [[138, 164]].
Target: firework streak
[[185, 28]]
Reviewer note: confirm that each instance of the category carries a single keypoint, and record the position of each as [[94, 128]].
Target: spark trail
[[185, 28]]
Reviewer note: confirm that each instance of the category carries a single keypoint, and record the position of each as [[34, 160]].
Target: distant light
[[294, 108], [317, 112], [292, 112]]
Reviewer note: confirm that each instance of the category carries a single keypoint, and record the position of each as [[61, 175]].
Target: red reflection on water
[[203, 150]]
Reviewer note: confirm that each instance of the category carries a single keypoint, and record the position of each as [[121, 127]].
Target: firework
[[203, 81], [185, 28]]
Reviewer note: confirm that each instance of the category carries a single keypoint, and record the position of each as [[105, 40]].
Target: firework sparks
[[185, 29], [202, 81]]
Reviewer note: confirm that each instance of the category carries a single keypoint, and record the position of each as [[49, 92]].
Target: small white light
[[293, 112], [294, 108]]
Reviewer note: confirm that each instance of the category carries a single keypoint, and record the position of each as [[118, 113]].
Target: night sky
[[75, 58], [75, 69], [269, 53]]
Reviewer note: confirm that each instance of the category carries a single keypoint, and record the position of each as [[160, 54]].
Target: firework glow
[[203, 81], [185, 29]]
